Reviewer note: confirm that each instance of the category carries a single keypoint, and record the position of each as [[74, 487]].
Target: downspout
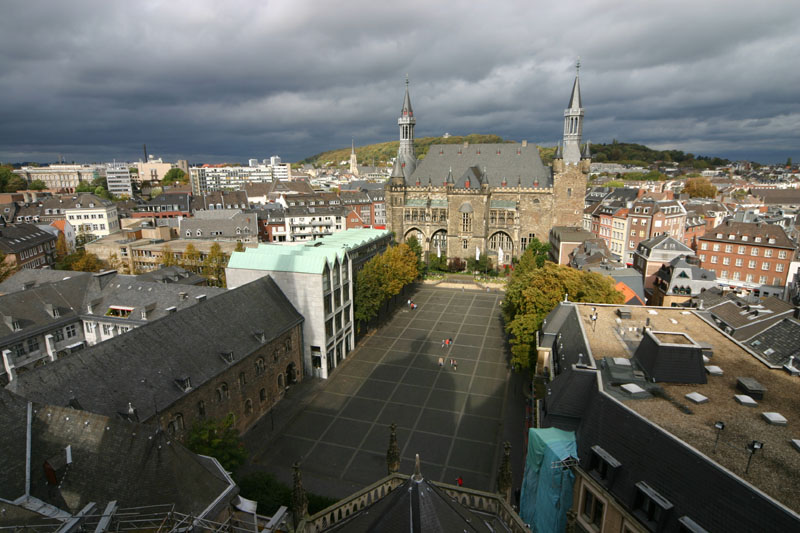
[[28, 452]]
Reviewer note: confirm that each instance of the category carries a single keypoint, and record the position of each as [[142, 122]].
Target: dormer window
[[744, 237], [199, 233], [227, 357], [184, 383], [602, 465], [719, 235], [757, 239], [119, 311], [731, 237]]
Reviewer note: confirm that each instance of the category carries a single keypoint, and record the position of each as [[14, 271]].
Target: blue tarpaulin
[[547, 486]]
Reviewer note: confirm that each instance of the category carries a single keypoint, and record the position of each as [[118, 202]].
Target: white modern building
[[152, 170], [118, 179], [318, 278]]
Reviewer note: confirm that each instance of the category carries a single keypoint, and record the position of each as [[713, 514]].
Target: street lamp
[[753, 447], [720, 426]]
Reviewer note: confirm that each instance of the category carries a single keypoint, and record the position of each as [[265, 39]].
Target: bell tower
[[573, 122], [405, 153]]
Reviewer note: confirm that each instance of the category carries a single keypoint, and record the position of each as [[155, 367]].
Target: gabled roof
[[149, 468], [511, 162], [19, 237], [778, 342], [140, 367]]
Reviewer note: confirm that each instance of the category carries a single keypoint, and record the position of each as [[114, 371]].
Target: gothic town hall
[[489, 198]]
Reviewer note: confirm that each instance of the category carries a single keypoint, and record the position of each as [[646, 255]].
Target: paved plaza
[[452, 417]]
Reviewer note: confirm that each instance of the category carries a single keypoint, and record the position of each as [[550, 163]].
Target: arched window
[[280, 381], [179, 422], [222, 392], [171, 427], [262, 395], [201, 408], [261, 366], [288, 344], [242, 379], [248, 407]]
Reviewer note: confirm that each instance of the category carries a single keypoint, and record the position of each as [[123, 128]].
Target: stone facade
[[248, 389], [483, 198]]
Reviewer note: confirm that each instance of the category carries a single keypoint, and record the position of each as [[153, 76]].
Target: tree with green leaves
[[82, 261], [482, 264], [382, 277], [175, 175], [38, 185], [700, 188], [191, 259], [16, 183], [62, 248], [6, 173], [168, 256], [413, 243], [239, 247], [533, 291], [539, 252], [214, 266], [85, 186], [219, 439], [6, 267]]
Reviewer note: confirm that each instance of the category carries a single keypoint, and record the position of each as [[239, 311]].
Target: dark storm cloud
[[212, 81]]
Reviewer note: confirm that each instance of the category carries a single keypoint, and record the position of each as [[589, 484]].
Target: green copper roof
[[435, 202], [307, 257], [416, 202], [503, 204]]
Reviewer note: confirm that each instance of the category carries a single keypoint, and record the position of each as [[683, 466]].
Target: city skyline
[[92, 81]]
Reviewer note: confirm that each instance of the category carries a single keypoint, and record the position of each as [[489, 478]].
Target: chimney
[[183, 295]]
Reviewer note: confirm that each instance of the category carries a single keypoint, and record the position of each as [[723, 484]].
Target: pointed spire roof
[[407, 111], [575, 99], [352, 146], [587, 153], [559, 152], [397, 170], [450, 176]]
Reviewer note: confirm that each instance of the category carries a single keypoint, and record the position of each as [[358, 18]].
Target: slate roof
[[746, 320], [751, 231], [510, 161], [416, 505], [134, 464], [140, 367], [570, 234], [172, 274], [227, 199], [778, 342], [14, 239], [37, 276]]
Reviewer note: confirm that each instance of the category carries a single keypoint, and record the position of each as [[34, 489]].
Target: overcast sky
[[226, 81]]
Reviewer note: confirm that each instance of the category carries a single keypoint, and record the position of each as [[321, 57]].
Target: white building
[[118, 179], [153, 170], [92, 217], [60, 177], [318, 279]]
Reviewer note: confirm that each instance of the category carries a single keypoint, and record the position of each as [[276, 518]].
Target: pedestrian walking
[[460, 481], [444, 341], [455, 364], [441, 361]]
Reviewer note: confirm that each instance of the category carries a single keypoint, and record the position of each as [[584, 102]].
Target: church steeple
[[573, 122], [406, 122], [353, 159]]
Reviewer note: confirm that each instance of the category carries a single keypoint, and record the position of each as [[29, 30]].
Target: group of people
[[412, 305], [447, 342], [453, 363]]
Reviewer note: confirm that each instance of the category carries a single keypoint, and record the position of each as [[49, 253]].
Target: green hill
[[614, 152], [383, 152]]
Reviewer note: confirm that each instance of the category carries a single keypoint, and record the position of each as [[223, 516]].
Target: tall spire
[[406, 122], [573, 122], [353, 159]]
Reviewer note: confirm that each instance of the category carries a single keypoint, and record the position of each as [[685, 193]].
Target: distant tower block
[[573, 122]]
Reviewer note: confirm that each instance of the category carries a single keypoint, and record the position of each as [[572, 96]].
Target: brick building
[[26, 246], [754, 257]]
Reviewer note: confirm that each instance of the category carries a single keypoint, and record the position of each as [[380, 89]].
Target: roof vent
[[171, 309], [28, 285], [183, 295], [200, 298]]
